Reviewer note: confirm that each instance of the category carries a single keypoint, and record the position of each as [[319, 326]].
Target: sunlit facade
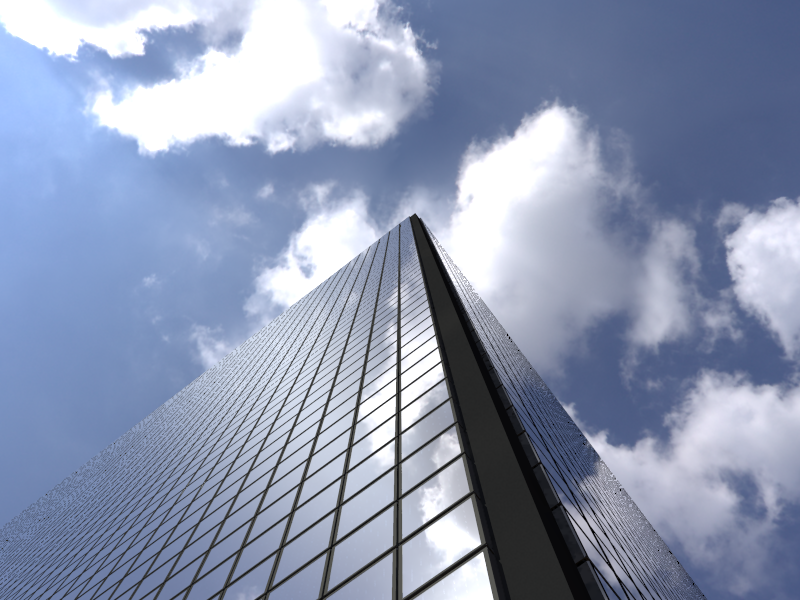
[[383, 439]]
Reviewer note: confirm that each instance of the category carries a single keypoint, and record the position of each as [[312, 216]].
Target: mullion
[[483, 522], [279, 460], [282, 544], [352, 428], [189, 539]]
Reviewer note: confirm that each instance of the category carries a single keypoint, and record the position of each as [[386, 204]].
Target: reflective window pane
[[434, 496], [324, 455], [314, 509], [271, 515], [303, 586], [260, 548], [426, 428], [179, 581], [211, 583], [367, 445], [322, 478], [370, 403], [429, 458], [370, 469], [252, 585], [439, 545], [412, 355], [373, 584], [304, 548], [422, 366], [362, 547], [421, 385], [224, 549], [470, 580], [367, 503]]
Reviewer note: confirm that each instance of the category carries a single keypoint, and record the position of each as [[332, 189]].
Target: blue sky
[[619, 181]]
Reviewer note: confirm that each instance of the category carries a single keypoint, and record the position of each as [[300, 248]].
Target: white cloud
[[335, 231], [210, 349], [62, 26], [306, 72], [726, 474], [663, 300], [548, 263], [764, 263]]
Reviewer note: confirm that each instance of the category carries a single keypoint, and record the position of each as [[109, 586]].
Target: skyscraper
[[384, 438]]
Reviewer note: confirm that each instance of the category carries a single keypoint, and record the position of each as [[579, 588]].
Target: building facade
[[383, 439]]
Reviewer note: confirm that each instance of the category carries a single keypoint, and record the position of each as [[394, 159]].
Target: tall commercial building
[[383, 439]]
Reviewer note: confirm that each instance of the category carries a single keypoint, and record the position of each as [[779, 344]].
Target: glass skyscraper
[[383, 439]]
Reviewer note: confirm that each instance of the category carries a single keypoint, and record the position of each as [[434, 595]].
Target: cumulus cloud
[[764, 263], [306, 72], [531, 226], [724, 476], [210, 348], [61, 26], [336, 229], [548, 263]]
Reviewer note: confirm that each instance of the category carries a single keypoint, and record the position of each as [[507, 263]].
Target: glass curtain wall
[[322, 458]]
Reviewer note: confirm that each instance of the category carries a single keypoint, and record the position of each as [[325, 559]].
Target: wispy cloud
[[210, 347], [238, 216], [151, 281], [266, 191]]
